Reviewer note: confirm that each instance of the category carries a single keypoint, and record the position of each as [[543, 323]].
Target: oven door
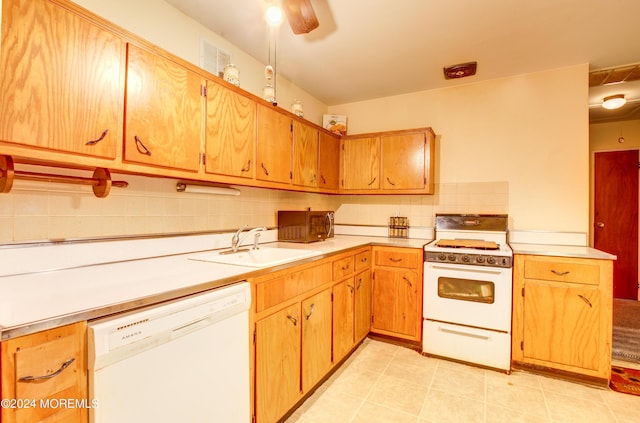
[[476, 296]]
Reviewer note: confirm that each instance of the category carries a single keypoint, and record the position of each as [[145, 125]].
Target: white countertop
[[560, 251], [46, 298]]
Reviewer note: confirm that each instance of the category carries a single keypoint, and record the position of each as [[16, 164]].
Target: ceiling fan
[[300, 15]]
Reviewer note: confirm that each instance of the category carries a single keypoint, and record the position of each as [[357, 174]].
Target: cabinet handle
[[141, 147], [94, 142], [350, 288], [407, 281], [247, 167], [372, 181], [395, 260], [345, 268], [555, 272], [293, 319], [324, 181], [364, 260], [313, 306], [389, 180], [266, 172], [313, 179], [359, 283], [585, 299], [49, 376]]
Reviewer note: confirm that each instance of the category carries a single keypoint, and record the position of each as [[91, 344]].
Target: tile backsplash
[[37, 211]]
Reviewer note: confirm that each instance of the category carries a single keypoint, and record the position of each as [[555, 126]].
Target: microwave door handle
[[327, 220]]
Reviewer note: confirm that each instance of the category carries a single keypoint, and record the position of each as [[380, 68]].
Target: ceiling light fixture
[[614, 101], [274, 15]]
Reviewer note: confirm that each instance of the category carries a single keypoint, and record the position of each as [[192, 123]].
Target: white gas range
[[468, 290]]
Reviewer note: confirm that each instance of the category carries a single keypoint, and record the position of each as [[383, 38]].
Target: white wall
[[530, 131]]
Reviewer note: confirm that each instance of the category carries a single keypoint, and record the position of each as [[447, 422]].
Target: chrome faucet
[[237, 240]]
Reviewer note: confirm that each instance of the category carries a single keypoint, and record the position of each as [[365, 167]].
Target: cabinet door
[[63, 80], [403, 161], [55, 361], [316, 338], [165, 112], [274, 146], [328, 161], [361, 163], [231, 132], [343, 323], [305, 155], [277, 363], [562, 324], [362, 305], [396, 302]]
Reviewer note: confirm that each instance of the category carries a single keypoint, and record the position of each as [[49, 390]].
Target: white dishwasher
[[183, 361]]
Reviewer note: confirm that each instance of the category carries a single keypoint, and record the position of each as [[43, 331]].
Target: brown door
[[616, 216]]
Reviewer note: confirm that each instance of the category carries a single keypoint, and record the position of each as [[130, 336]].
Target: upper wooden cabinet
[[165, 112], [231, 132], [361, 163], [328, 161], [305, 155], [62, 87], [274, 150], [398, 162]]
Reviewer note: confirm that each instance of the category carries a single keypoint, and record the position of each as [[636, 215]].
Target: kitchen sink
[[262, 257]]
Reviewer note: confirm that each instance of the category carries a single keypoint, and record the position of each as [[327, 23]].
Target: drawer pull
[[364, 260], [142, 149], [94, 142], [345, 268], [407, 281], [293, 319], [395, 260], [49, 376], [247, 167], [308, 316], [555, 272], [585, 299]]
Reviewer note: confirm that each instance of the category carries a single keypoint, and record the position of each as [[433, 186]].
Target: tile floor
[[386, 383]]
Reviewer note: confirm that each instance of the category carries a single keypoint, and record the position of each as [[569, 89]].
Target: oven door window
[[466, 290]]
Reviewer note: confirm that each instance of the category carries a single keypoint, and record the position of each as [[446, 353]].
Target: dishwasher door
[[184, 361]]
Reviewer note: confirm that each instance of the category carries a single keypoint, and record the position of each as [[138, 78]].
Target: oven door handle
[[489, 270], [463, 333]]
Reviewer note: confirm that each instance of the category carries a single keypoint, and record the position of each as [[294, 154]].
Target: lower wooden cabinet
[[397, 292], [307, 319], [43, 372], [562, 315]]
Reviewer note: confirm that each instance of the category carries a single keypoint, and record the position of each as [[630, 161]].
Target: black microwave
[[304, 225]]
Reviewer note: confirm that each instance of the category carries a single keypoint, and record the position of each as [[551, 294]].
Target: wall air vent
[[212, 58], [460, 71]]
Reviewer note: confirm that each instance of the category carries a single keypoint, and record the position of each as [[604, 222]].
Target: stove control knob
[[465, 259], [491, 260], [451, 257], [442, 256], [479, 259]]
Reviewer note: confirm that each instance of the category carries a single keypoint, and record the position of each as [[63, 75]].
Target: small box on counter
[[335, 123]]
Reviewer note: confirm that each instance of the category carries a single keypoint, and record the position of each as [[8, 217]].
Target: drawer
[[398, 257], [343, 267], [363, 260], [562, 271], [276, 291]]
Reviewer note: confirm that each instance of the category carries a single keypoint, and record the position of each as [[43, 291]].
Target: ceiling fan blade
[[300, 15]]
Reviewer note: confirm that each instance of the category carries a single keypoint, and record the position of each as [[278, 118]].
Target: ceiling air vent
[[212, 58], [460, 71]]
